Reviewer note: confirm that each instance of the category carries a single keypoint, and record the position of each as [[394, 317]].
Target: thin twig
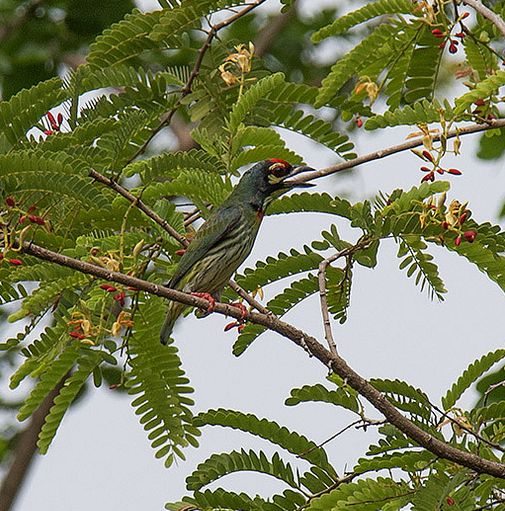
[[323, 298], [187, 89], [336, 363], [467, 429], [411, 144], [496, 20]]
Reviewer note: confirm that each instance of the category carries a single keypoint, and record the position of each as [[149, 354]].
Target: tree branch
[[336, 363], [410, 144], [187, 89], [25, 451], [487, 13]]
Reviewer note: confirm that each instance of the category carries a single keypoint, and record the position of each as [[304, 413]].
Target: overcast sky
[[101, 458]]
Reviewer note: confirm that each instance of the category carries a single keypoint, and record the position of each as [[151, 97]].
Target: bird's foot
[[242, 308], [209, 298]]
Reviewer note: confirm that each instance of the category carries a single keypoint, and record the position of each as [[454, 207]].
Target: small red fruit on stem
[[428, 155], [437, 33], [16, 262], [108, 288], [457, 241], [120, 298], [465, 15], [470, 236], [454, 172], [36, 219], [76, 335], [453, 48], [10, 201]]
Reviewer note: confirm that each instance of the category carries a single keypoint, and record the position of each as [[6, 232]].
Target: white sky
[[101, 458]]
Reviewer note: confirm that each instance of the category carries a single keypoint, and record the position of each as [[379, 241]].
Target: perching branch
[[496, 20], [410, 144], [136, 201], [336, 363]]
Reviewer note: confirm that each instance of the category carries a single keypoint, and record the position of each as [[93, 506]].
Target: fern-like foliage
[[292, 442], [418, 262], [319, 393], [470, 376], [160, 388], [366, 494], [482, 90], [365, 13]]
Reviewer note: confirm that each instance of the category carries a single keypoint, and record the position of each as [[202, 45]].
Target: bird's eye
[[279, 169]]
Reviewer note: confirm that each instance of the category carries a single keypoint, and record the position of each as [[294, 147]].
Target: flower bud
[[457, 241], [453, 48], [76, 335], [425, 169], [36, 219], [454, 172], [437, 33], [10, 201], [470, 236], [108, 288], [16, 262], [427, 155]]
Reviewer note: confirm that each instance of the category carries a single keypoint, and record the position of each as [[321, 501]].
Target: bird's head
[[269, 179]]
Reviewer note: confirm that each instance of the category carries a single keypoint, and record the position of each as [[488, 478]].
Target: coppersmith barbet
[[224, 241]]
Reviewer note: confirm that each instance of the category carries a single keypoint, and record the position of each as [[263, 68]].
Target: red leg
[[242, 308], [209, 298]]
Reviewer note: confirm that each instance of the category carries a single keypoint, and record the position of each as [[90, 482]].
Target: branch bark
[[336, 363], [487, 13], [24, 452], [410, 144]]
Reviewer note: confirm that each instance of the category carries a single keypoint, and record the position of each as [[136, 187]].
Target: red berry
[[77, 335], [454, 172], [108, 288], [231, 325], [359, 122], [457, 241], [10, 201], [428, 177], [450, 501], [36, 219], [16, 262], [427, 155], [120, 298], [470, 236], [445, 225]]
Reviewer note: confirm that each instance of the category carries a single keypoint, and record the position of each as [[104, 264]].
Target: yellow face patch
[[277, 172]]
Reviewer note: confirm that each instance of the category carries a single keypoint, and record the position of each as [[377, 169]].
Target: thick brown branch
[[410, 144], [487, 13], [24, 452], [336, 363]]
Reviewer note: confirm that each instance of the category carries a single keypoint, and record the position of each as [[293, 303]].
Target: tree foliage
[[149, 68]]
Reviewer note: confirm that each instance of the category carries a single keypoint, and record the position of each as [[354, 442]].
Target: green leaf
[[251, 97], [158, 383], [470, 376], [365, 495], [293, 442], [72, 386], [319, 393], [482, 90], [365, 13], [219, 465]]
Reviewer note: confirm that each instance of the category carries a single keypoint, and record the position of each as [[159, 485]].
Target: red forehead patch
[[278, 160]]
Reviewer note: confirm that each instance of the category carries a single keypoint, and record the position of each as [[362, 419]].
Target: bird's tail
[[175, 309]]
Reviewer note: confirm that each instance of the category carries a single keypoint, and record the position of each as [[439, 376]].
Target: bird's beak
[[288, 184]]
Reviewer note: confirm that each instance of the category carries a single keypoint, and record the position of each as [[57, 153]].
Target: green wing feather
[[217, 227]]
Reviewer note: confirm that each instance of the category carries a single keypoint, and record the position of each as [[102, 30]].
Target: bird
[[225, 240]]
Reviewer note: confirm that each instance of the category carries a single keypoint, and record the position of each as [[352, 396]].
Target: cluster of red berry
[[119, 297], [447, 38], [55, 123], [430, 176]]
